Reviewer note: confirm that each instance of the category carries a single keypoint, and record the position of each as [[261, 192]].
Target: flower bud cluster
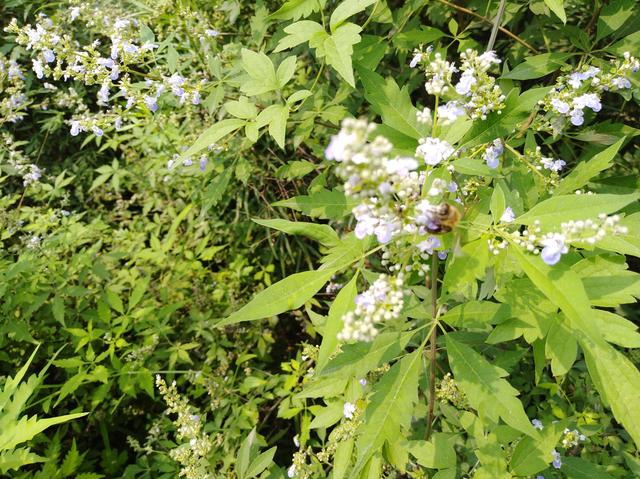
[[583, 89], [383, 301], [572, 438], [552, 245], [448, 390], [192, 453]]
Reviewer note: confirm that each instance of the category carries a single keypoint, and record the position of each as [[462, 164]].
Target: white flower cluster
[[393, 200], [383, 301], [583, 89], [375, 179], [552, 245], [57, 55], [477, 86], [477, 91], [13, 98], [434, 151]]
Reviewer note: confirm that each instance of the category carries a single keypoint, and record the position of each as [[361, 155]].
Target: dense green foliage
[[178, 244]]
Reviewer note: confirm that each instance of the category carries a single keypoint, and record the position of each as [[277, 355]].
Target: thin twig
[[502, 29], [496, 25], [432, 341]]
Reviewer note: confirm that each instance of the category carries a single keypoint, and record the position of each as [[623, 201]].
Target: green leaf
[[344, 302], [276, 117], [557, 7], [392, 103], [301, 32], [295, 169], [538, 65], [390, 409], [465, 267], [295, 9], [323, 204], [245, 452], [532, 456], [241, 108], [584, 171], [285, 71], [328, 416], [558, 209], [347, 251], [261, 462], [356, 360], [324, 234], [561, 347], [342, 458], [578, 468], [285, 295], [613, 16], [611, 290], [16, 458], [437, 453], [172, 58], [213, 134], [262, 72], [413, 38], [216, 188], [115, 301], [477, 314], [486, 391], [616, 329], [618, 382], [338, 49], [615, 377], [347, 9]]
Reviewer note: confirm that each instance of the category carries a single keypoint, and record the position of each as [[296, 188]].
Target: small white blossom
[[348, 410]]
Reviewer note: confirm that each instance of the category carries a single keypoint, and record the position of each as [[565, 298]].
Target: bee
[[445, 218]]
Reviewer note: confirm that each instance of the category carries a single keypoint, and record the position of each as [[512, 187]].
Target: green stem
[[433, 341], [496, 25]]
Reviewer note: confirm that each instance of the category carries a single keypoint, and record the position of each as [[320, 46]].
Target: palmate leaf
[[338, 49], [488, 393], [615, 377], [392, 103], [390, 409]]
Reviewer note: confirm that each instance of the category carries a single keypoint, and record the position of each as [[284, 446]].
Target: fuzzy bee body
[[445, 218]]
